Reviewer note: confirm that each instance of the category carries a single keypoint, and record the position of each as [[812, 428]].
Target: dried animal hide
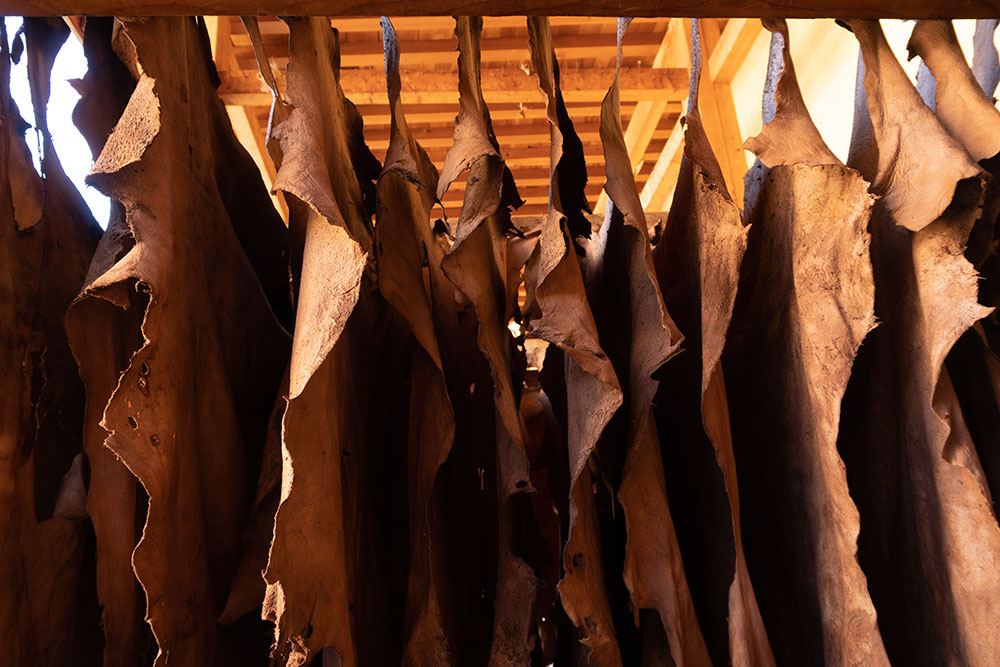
[[698, 261], [639, 337], [412, 282], [115, 500], [47, 614], [247, 588], [205, 272], [477, 265], [392, 483], [929, 541], [805, 304], [913, 194], [337, 563], [559, 313], [968, 114], [960, 105]]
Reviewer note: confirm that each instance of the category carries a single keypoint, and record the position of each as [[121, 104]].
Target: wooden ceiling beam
[[505, 132], [367, 86], [718, 111], [539, 176], [532, 194], [521, 157], [725, 50], [659, 187], [966, 9]]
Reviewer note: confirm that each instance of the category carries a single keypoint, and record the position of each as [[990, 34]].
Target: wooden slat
[[367, 86], [694, 8], [377, 115], [525, 156], [517, 135], [540, 177]]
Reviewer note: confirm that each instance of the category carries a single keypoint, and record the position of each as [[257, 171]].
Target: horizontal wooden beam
[[367, 86], [686, 8]]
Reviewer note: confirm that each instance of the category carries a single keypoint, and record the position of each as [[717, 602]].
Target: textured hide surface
[[47, 615], [188, 414], [805, 305], [929, 540], [561, 315], [697, 263]]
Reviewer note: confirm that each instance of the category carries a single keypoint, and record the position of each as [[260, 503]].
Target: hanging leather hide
[[188, 414], [929, 542], [805, 304], [697, 260]]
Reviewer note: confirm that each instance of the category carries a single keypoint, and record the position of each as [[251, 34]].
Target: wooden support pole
[[939, 9]]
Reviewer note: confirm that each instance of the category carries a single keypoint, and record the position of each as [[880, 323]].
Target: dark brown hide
[[929, 541], [337, 566], [697, 261], [638, 336], [477, 265], [559, 314], [804, 306], [115, 500], [412, 282], [206, 277], [47, 237]]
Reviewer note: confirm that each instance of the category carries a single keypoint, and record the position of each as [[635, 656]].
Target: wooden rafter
[[692, 8]]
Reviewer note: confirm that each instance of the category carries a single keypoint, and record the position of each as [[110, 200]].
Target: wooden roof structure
[[655, 81]]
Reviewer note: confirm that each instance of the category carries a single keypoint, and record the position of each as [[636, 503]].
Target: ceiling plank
[[429, 113], [694, 8], [423, 24], [421, 86], [718, 117], [536, 134]]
